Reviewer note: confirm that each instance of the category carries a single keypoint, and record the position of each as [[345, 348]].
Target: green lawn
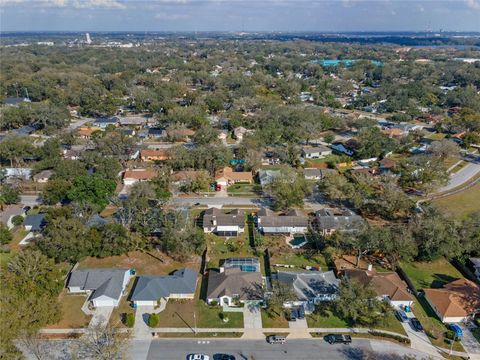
[[461, 204], [330, 320], [299, 259], [123, 308], [244, 188], [180, 313], [272, 320], [432, 274]]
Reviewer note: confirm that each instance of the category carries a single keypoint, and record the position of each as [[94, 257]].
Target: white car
[[198, 357]]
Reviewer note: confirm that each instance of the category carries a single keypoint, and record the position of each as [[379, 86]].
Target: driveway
[[419, 340], [141, 330], [470, 344], [101, 316], [298, 329]]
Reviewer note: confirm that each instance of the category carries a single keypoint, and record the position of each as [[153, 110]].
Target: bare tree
[[101, 343]]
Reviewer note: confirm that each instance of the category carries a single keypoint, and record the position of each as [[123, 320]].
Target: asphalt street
[[315, 349]]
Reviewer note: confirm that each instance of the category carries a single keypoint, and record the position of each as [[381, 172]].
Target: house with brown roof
[[229, 285], [154, 155], [387, 285], [86, 133], [227, 177], [222, 224], [394, 132], [456, 301], [130, 177]]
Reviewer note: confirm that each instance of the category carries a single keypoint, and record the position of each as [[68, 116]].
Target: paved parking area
[[470, 343]]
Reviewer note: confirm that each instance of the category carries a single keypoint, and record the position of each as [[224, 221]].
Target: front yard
[[123, 308], [72, 315], [462, 204], [273, 320], [432, 274], [330, 320], [180, 313]]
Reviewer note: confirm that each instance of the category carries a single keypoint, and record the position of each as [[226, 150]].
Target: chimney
[[214, 221]]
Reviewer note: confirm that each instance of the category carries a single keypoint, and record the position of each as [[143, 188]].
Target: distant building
[[154, 155], [103, 122], [43, 176], [315, 152], [227, 176], [316, 173], [15, 101], [266, 177], [130, 177]]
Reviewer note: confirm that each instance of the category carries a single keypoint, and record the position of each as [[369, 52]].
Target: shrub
[[390, 336], [17, 220], [449, 334], [130, 320], [153, 320], [213, 303]]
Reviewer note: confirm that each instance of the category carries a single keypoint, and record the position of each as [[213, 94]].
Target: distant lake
[[346, 62]]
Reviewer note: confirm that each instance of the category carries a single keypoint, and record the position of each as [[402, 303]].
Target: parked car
[[401, 316], [300, 313], [338, 339], [456, 329], [223, 357], [417, 326], [276, 339], [292, 315], [198, 357]]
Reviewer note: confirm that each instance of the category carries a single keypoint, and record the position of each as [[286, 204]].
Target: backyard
[[432, 274], [151, 263]]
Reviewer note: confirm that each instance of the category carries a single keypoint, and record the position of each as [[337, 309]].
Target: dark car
[[416, 324], [292, 315], [300, 312], [401, 316], [338, 339], [223, 357]]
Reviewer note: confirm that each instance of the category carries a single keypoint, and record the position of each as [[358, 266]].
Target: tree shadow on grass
[[439, 280]]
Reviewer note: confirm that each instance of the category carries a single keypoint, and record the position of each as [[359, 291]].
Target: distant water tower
[[89, 40]]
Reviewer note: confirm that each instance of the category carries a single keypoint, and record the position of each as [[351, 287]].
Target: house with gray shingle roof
[[150, 289], [104, 287], [310, 287], [327, 221], [222, 224], [293, 222], [34, 223]]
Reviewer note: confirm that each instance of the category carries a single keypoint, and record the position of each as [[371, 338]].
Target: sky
[[239, 15]]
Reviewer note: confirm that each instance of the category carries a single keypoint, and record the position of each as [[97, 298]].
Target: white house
[[231, 224], [293, 222], [104, 287], [315, 152]]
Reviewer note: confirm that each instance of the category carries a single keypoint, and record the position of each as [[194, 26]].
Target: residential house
[[135, 121], [394, 132], [456, 302], [266, 177], [216, 221], [156, 133], [181, 134], [342, 149], [154, 155], [25, 130], [130, 177], [103, 122], [310, 287], [387, 165], [43, 176], [232, 284], [328, 221], [240, 132], [34, 223], [227, 177], [387, 285], [476, 266], [316, 173], [315, 152], [15, 101], [150, 289], [104, 287], [96, 220], [293, 222], [86, 133]]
